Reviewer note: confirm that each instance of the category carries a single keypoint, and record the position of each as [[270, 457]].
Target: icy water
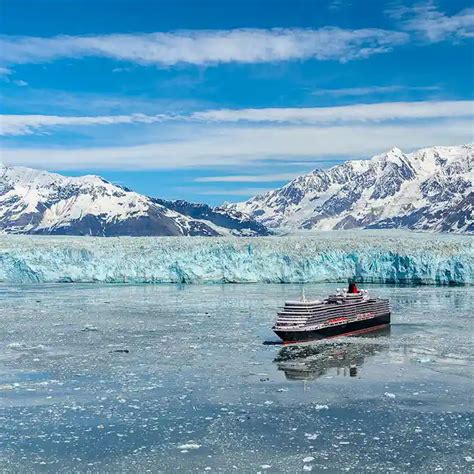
[[97, 378]]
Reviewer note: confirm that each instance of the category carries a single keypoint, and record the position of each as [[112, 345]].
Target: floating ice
[[217, 362], [321, 407], [381, 257], [190, 445], [89, 328]]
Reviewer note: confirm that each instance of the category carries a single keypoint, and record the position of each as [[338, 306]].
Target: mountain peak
[[37, 202], [394, 154], [391, 190], [395, 151]]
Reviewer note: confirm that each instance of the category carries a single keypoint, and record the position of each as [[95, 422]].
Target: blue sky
[[219, 100]]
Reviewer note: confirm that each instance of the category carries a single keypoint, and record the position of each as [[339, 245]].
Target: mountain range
[[431, 189], [38, 202]]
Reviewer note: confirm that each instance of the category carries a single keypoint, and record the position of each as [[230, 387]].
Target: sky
[[219, 100]]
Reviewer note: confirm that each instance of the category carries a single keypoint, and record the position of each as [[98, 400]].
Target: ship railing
[[342, 320], [280, 324], [292, 321]]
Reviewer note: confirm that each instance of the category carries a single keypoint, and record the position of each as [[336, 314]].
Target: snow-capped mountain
[[429, 189], [38, 202], [240, 223]]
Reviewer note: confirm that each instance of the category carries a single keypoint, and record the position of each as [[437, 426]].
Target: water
[[166, 378]]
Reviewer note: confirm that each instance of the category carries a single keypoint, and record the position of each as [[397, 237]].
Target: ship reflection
[[341, 357]]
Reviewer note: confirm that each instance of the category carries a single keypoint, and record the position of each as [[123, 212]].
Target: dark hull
[[332, 331]]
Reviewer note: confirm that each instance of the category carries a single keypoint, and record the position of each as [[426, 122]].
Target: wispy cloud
[[348, 113], [425, 20], [372, 90], [223, 192], [20, 82], [243, 146], [29, 124], [379, 112], [336, 5], [35, 101], [207, 46], [246, 178], [6, 76]]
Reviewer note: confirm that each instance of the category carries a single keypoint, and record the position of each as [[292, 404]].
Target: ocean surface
[[169, 378]]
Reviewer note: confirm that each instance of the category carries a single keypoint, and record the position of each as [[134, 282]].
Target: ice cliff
[[370, 256]]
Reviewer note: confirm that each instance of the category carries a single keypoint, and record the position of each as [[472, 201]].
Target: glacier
[[369, 256]]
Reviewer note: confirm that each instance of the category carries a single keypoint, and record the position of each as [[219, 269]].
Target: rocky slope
[[38, 202], [430, 189]]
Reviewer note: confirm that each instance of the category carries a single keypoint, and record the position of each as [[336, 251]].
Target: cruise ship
[[346, 312]]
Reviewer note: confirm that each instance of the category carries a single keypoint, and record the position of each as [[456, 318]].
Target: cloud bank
[[379, 112], [245, 45], [203, 47], [245, 146], [347, 113]]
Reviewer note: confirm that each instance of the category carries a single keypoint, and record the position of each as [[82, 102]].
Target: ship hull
[[333, 331]]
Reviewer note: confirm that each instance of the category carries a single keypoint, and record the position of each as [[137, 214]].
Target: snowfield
[[42, 203], [431, 189], [372, 256]]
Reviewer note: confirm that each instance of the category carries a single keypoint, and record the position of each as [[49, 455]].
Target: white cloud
[[223, 192], [29, 124], [247, 178], [20, 83], [357, 113], [336, 5], [5, 76], [347, 113], [371, 90], [207, 46], [36, 101], [244, 146], [432, 25]]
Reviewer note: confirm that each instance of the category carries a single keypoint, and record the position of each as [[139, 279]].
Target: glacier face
[[370, 256]]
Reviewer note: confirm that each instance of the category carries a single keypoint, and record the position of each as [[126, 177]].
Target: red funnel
[[352, 288]]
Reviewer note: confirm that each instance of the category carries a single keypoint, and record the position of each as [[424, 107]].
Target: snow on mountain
[[38, 202], [430, 189], [220, 219]]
